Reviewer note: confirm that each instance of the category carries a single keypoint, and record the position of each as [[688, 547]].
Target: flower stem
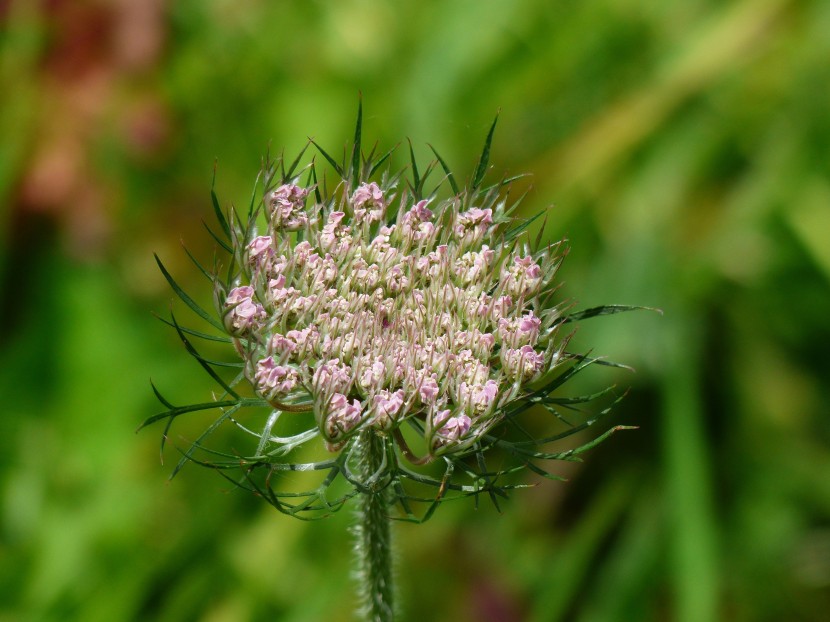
[[373, 545]]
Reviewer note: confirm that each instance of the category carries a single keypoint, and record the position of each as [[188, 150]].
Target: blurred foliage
[[684, 146]]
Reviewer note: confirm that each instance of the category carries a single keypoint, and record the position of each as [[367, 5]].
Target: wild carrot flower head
[[379, 321], [423, 316]]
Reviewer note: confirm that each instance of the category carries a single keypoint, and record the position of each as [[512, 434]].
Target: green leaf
[[210, 277], [416, 179], [181, 410], [254, 195], [591, 444], [187, 299], [160, 397], [313, 179], [205, 365], [603, 310], [481, 169], [186, 457], [512, 234], [225, 246], [290, 173], [447, 171], [510, 180], [358, 128], [216, 208], [381, 160], [330, 160], [196, 333]]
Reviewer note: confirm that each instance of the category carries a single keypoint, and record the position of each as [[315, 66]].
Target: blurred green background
[[685, 147]]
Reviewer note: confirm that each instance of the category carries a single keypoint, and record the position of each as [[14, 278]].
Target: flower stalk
[[373, 537]]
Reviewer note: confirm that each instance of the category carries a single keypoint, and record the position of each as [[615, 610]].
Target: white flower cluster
[[377, 320]]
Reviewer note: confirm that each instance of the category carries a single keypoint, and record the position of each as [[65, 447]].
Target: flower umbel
[[424, 319]]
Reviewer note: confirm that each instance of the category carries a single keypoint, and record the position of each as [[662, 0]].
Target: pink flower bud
[[523, 278], [285, 207], [521, 331], [477, 398], [272, 380], [523, 363], [242, 312], [335, 237], [261, 252], [386, 406], [450, 429], [281, 346], [470, 226], [415, 225], [368, 203], [343, 417], [428, 391], [332, 376]]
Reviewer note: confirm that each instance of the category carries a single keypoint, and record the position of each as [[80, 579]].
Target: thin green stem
[[373, 543]]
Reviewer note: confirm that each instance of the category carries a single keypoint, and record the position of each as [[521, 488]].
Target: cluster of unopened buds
[[373, 308]]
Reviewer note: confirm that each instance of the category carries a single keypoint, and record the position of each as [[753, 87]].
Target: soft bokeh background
[[686, 149]]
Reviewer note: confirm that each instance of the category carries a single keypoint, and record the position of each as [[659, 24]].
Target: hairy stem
[[373, 546]]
